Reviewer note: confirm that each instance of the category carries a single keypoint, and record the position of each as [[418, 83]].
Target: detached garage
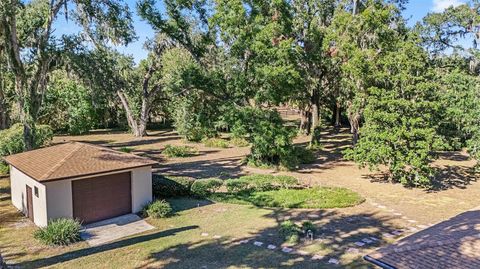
[[78, 180]]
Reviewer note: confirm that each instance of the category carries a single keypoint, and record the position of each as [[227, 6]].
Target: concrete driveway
[[106, 231]]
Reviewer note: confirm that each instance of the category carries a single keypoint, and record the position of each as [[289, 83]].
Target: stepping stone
[[374, 238], [204, 234], [244, 241], [412, 221], [366, 240], [360, 244], [374, 204], [258, 243], [217, 236], [404, 217], [397, 214], [397, 232], [413, 229], [381, 206], [317, 257], [314, 216], [388, 235], [287, 250], [271, 246], [352, 250], [333, 261], [421, 226]]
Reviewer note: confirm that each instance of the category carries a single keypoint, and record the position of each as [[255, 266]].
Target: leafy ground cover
[[313, 198]]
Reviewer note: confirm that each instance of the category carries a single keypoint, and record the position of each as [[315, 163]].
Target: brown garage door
[[102, 197]]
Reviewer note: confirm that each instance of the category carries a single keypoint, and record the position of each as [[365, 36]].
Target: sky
[[414, 12]]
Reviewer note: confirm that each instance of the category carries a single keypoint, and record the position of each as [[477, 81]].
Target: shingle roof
[[73, 159], [452, 244]]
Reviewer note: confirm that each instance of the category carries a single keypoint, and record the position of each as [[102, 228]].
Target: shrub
[[215, 143], [304, 155], [4, 169], [59, 232], [11, 140], [239, 142], [163, 186], [158, 209], [204, 187], [289, 231], [260, 183], [178, 151], [126, 149], [308, 225]]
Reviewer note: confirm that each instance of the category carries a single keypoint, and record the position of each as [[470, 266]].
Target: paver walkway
[[105, 231]]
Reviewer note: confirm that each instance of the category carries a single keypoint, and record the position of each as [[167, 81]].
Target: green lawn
[[313, 198], [176, 243]]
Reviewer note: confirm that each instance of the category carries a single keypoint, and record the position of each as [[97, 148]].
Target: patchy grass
[[177, 242], [179, 151], [313, 198], [126, 149], [239, 142], [215, 143]]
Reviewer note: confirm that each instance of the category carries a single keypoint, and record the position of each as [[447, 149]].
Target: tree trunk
[[132, 123], [354, 119], [305, 121], [337, 115], [316, 124]]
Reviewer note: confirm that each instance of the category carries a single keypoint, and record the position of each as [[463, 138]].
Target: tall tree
[[32, 49]]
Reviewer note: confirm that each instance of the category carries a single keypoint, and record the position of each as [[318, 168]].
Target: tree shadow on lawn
[[338, 234], [204, 168], [447, 177], [72, 255]]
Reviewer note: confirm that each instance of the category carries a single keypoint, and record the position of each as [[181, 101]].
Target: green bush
[[259, 182], [169, 186], [178, 151], [205, 187], [158, 209], [304, 155], [308, 225], [126, 149], [59, 232], [239, 142], [11, 140], [289, 231], [215, 143], [4, 169]]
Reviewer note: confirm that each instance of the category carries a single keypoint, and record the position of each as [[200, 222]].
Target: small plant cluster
[[173, 151], [157, 209], [166, 187], [247, 184], [291, 232], [126, 149], [59, 232], [215, 143], [239, 142], [204, 187]]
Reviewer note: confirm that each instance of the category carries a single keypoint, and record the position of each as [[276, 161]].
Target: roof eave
[[379, 263]]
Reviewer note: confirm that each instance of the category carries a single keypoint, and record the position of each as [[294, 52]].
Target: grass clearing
[[175, 243], [312, 198]]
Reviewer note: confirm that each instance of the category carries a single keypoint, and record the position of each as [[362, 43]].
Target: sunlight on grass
[[318, 198]]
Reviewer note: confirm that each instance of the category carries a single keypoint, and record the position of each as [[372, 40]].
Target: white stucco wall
[[141, 187], [19, 181], [59, 193]]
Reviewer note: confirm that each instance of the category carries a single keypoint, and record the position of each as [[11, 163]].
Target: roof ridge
[[115, 151], [64, 160]]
